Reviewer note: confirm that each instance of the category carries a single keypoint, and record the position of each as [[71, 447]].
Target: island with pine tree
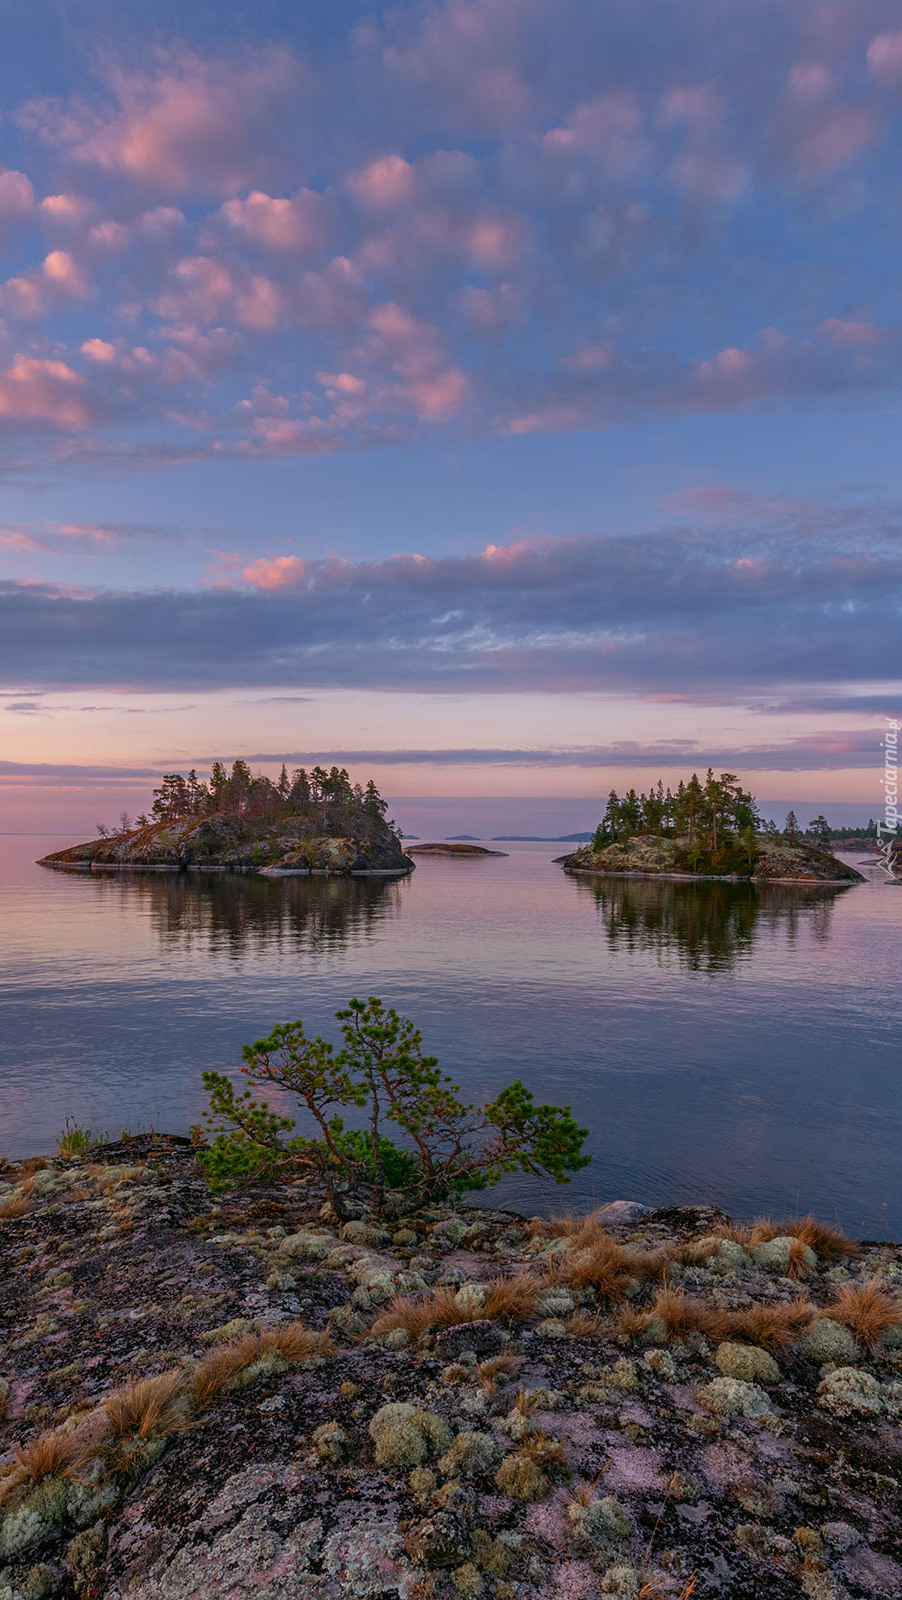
[[309, 823], [706, 829]]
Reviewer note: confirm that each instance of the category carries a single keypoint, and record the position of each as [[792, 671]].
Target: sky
[[498, 397]]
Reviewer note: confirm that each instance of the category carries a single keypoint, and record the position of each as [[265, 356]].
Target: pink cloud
[[848, 334], [110, 237], [260, 306], [65, 275], [592, 358], [296, 226], [607, 130], [161, 223], [283, 572], [184, 123], [383, 184], [60, 282], [66, 209], [47, 392], [201, 288], [834, 140], [495, 241], [16, 197], [809, 81], [99, 350], [885, 57]]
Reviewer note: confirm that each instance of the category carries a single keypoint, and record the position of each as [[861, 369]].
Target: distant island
[[449, 847], [709, 829], [308, 824], [541, 838]]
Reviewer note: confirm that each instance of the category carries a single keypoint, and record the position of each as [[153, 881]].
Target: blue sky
[[507, 385]]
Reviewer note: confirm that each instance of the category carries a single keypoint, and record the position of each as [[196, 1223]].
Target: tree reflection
[[237, 914], [709, 927]]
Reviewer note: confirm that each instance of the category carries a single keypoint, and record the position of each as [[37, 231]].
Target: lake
[[722, 1044]]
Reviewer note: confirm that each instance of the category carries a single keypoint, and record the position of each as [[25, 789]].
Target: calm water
[[721, 1044]]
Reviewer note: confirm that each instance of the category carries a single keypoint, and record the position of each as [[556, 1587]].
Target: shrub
[[381, 1069], [74, 1140]]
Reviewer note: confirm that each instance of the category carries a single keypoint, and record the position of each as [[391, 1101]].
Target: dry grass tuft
[[867, 1310], [563, 1226], [149, 1406], [770, 1326], [220, 1368], [599, 1263], [31, 1165], [510, 1298], [489, 1372], [584, 1490], [629, 1323], [437, 1310], [547, 1453], [294, 1343], [57, 1454], [681, 1313], [826, 1242], [16, 1208], [583, 1324]]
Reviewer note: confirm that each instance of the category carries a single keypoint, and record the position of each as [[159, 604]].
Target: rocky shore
[[776, 860], [248, 1397], [290, 845]]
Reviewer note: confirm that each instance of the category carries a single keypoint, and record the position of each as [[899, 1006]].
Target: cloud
[[183, 123], [16, 198], [749, 606], [295, 226], [43, 393]]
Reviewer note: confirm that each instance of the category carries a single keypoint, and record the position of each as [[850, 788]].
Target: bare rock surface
[[194, 1403]]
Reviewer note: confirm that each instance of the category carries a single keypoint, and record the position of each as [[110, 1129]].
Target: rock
[[364, 1560], [440, 1540], [746, 1361], [827, 1340], [847, 1389], [620, 1213], [481, 1336]]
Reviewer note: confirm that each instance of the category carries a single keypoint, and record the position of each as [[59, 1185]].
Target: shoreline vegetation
[[315, 824], [706, 830], [204, 1394]]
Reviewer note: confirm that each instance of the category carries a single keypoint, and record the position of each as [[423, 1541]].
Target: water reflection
[[706, 927], [237, 915]]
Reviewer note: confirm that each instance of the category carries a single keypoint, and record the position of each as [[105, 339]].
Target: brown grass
[[149, 1406], [770, 1326], [547, 1453], [505, 1299], [583, 1324], [867, 1310], [826, 1242], [682, 1313], [16, 1208], [292, 1341], [562, 1226], [600, 1263], [489, 1371], [58, 1453], [31, 1165], [510, 1298], [629, 1322], [220, 1368]]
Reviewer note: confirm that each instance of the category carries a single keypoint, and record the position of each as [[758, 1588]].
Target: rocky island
[[449, 847], [308, 824], [710, 830]]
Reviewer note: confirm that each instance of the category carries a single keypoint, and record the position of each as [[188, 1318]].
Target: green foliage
[[76, 1140], [706, 814], [381, 1069]]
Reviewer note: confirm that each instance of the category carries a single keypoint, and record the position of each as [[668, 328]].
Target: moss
[[227, 1331], [467, 1580], [406, 1436], [521, 1478], [827, 1340], [601, 1522], [746, 1361], [777, 1255], [623, 1582], [730, 1397], [469, 1455], [492, 1556], [422, 1482], [19, 1529], [330, 1441], [846, 1390], [396, 1339], [661, 1363]]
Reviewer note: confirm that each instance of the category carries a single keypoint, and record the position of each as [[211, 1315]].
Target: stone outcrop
[[236, 844], [777, 860]]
